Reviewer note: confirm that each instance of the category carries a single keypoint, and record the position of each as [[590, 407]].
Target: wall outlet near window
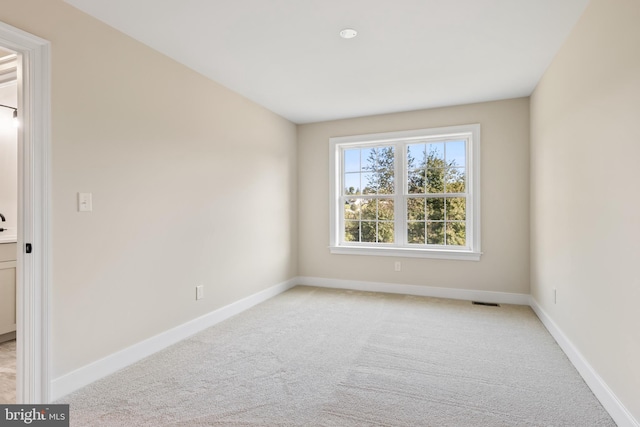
[[199, 292], [555, 296], [398, 266]]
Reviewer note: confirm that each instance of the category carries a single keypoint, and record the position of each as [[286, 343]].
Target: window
[[413, 193]]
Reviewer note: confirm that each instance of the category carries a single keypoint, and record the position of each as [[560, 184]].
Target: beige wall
[[192, 184], [505, 201], [8, 161], [584, 200]]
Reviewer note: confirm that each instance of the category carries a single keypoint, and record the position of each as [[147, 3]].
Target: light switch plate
[[85, 203]]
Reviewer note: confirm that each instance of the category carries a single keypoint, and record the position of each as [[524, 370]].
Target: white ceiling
[[409, 54]]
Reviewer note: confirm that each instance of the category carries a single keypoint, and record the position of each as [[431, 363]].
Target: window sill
[[407, 252]]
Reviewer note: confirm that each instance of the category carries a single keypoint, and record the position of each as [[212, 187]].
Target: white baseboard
[[607, 398], [81, 377], [423, 291]]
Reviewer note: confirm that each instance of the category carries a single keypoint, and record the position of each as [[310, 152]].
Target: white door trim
[[34, 208]]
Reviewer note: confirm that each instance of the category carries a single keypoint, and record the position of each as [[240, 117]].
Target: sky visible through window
[[455, 152], [357, 161]]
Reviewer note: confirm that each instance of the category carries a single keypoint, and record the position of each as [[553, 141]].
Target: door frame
[[33, 283]]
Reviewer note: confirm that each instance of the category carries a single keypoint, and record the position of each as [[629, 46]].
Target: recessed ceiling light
[[348, 33]]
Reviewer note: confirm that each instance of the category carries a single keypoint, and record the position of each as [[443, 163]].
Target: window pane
[[456, 234], [456, 209], [385, 181], [369, 184], [368, 209], [368, 231], [385, 159], [435, 180], [351, 209], [351, 231], [415, 232], [351, 183], [352, 160], [368, 159], [416, 181], [435, 233], [435, 154], [385, 232], [378, 162], [435, 209], [385, 209], [416, 209], [455, 180], [456, 154], [416, 156]]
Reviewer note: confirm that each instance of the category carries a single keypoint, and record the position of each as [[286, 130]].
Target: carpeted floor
[[322, 357]]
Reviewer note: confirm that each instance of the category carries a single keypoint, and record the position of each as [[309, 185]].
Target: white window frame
[[400, 248]]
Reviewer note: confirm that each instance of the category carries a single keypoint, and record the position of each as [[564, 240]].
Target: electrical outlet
[[555, 296], [398, 266], [199, 292]]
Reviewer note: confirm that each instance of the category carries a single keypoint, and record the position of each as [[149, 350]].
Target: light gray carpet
[[321, 357]]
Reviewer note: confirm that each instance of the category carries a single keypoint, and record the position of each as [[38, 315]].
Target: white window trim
[[472, 252]]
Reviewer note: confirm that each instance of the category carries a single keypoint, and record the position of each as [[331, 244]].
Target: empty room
[[319, 213]]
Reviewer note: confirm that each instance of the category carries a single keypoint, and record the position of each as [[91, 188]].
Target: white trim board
[[33, 282], [85, 375], [600, 389], [423, 291]]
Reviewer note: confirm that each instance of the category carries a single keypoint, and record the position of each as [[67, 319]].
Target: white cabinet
[[7, 288]]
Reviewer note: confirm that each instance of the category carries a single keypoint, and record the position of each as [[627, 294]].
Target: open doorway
[[8, 223], [32, 230]]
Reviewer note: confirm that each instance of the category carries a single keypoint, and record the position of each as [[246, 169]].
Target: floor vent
[[488, 304]]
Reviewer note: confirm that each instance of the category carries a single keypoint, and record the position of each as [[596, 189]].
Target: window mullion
[[400, 204], [340, 199]]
